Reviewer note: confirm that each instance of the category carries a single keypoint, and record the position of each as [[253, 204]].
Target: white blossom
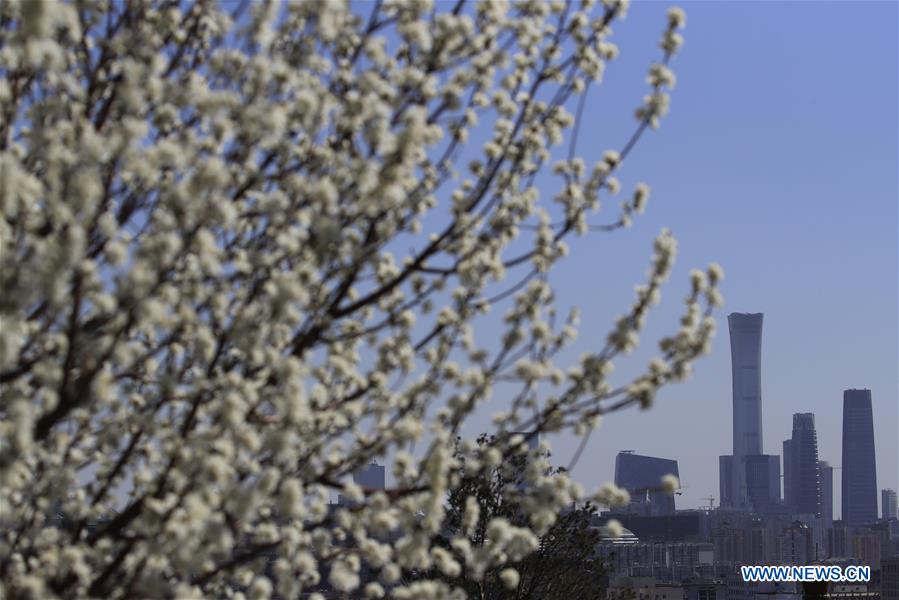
[[509, 578], [670, 483], [244, 254]]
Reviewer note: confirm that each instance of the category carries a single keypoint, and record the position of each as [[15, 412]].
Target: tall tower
[[825, 472], [888, 504], [746, 376], [805, 485], [859, 481], [788, 473]]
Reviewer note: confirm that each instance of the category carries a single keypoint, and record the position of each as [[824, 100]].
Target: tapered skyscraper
[[805, 484], [746, 377], [859, 485], [746, 482]]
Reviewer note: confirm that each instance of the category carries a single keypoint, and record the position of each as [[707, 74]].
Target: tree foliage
[[244, 248]]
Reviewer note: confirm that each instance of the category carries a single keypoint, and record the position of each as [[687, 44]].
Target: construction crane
[[711, 500]]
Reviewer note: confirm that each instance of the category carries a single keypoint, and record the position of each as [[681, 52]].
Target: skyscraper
[[640, 475], [372, 476], [825, 472], [746, 377], [788, 473], [762, 482], [745, 476], [859, 481], [805, 488], [888, 508]]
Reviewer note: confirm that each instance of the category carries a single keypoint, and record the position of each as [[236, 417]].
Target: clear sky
[[779, 161]]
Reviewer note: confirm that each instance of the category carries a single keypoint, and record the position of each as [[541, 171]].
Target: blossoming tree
[[567, 564], [243, 248]]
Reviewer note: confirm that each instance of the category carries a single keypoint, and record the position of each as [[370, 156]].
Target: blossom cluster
[[242, 252]]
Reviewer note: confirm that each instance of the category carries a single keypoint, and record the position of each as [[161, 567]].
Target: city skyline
[[763, 184], [808, 484]]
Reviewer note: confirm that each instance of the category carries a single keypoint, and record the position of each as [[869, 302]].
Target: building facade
[[641, 476], [762, 482], [859, 480], [889, 578], [805, 487], [735, 470], [788, 472], [825, 473], [746, 377], [797, 546], [888, 504]]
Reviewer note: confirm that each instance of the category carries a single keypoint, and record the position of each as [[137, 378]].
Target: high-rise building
[[788, 473], [728, 484], [372, 476], [746, 361], [888, 508], [859, 481], [805, 487], [797, 546], [746, 378], [762, 482], [825, 472], [839, 540], [889, 578], [641, 476]]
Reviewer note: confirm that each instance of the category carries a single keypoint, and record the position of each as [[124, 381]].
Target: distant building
[[888, 504], [839, 540], [889, 578], [825, 472], [859, 480], [647, 588], [762, 482], [851, 591], [747, 543], [670, 561], [746, 376], [797, 545], [866, 546], [641, 476], [748, 478], [683, 526], [788, 473], [805, 489], [701, 588], [737, 589], [372, 476]]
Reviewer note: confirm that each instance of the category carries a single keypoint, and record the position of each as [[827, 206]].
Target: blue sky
[[779, 161]]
